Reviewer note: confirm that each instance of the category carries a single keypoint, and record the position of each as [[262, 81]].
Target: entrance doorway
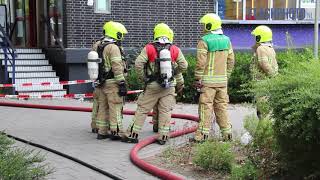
[[24, 27], [34, 23]]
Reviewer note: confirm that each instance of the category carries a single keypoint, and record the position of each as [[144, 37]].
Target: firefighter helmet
[[211, 22], [262, 34], [114, 30]]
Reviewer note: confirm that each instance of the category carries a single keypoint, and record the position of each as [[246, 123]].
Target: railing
[[8, 49]]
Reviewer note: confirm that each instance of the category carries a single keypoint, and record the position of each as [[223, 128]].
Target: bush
[[20, 164], [246, 171], [213, 155], [295, 101], [239, 83], [264, 150]]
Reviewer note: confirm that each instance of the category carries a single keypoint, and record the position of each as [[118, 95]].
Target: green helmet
[[211, 22], [262, 34], [162, 30], [114, 30]]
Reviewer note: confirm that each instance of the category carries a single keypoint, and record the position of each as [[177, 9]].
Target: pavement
[[70, 133]]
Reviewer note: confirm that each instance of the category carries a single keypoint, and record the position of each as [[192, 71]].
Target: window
[[265, 9], [102, 6], [230, 9]]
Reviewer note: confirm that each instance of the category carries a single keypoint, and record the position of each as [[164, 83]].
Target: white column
[[244, 9]]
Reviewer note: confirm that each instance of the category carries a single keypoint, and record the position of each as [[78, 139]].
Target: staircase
[[31, 66]]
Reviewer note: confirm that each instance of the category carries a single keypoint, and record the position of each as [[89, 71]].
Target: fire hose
[[156, 171]]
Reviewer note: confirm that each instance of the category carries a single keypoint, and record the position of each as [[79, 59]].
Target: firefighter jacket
[[215, 60], [144, 67], [264, 62], [113, 62]]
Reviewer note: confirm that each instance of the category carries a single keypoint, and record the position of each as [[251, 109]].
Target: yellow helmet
[[162, 30], [211, 22], [262, 33], [171, 35], [114, 30]]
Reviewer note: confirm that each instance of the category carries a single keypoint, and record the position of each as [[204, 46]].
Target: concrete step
[[25, 56], [26, 51], [30, 68], [29, 62], [39, 88], [55, 93], [37, 80], [33, 74]]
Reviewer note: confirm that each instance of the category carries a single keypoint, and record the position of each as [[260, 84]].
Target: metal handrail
[[47, 22], [7, 48]]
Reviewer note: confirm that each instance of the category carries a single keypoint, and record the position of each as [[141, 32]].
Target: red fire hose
[[163, 174]]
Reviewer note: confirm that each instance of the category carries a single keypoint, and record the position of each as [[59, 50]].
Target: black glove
[[122, 89]]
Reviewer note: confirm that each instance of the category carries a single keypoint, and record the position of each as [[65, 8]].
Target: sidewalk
[[69, 132]]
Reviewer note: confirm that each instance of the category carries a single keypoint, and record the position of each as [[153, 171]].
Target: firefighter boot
[[101, 136], [199, 140], [115, 136], [94, 130], [132, 138], [163, 140], [227, 137], [155, 126]]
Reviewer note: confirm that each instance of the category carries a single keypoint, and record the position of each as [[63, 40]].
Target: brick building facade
[[82, 25]]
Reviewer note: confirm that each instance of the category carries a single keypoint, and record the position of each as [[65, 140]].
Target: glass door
[[55, 15]]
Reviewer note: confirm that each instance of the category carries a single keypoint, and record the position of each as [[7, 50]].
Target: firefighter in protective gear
[[179, 89], [93, 71], [264, 64], [111, 81], [158, 64], [215, 61], [100, 119]]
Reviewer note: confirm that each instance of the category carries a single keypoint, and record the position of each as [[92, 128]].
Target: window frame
[[108, 11], [269, 21]]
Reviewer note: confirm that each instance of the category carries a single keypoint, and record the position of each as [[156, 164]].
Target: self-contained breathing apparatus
[[105, 74], [163, 57]]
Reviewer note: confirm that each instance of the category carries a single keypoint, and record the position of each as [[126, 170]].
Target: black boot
[[163, 140], [155, 127], [94, 130], [101, 136], [115, 136], [133, 138], [193, 140]]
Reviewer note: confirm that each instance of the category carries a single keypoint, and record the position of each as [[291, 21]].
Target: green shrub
[[263, 151], [246, 171], [295, 101], [17, 163], [189, 92], [213, 155], [239, 86]]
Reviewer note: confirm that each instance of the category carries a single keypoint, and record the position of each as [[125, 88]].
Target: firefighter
[[264, 64], [111, 81], [179, 89], [98, 98], [215, 61], [158, 63]]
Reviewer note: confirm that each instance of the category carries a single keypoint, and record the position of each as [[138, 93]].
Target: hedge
[[294, 99], [239, 82]]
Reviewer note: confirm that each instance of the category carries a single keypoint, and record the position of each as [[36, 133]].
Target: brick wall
[[83, 26]]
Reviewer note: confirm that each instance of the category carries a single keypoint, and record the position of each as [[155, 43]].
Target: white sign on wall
[[90, 3], [308, 3]]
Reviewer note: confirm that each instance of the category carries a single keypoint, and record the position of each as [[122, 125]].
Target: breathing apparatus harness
[[163, 56], [103, 74]]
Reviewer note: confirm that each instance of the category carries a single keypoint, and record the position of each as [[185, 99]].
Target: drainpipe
[[316, 30]]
